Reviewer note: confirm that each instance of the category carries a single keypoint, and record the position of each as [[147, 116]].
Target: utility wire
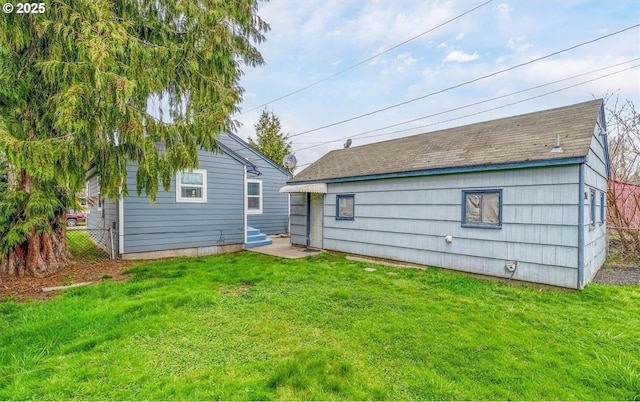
[[509, 104], [364, 61], [465, 83], [482, 111], [470, 105]]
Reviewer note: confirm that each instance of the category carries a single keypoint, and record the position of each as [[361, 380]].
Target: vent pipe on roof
[[557, 148]]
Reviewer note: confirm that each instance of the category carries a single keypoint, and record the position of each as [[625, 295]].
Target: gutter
[[447, 170]]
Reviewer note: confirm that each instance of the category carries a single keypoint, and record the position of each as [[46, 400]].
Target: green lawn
[[82, 247], [249, 326]]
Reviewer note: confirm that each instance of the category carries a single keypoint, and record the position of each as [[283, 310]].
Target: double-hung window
[[603, 200], [254, 196], [482, 208], [191, 186], [345, 207]]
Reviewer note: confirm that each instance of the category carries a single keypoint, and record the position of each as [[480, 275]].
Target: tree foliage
[[271, 140], [623, 124], [74, 86], [623, 195]]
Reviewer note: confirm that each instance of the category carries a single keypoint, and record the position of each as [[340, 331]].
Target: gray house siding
[[298, 225], [274, 218], [595, 179], [407, 219], [171, 225]]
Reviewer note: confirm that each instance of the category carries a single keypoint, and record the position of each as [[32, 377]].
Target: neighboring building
[[522, 197], [229, 203], [625, 205]]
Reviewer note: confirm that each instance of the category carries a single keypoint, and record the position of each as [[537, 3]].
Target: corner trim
[[581, 226]]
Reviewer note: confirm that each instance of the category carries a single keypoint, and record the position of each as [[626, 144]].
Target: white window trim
[[259, 210], [179, 197]]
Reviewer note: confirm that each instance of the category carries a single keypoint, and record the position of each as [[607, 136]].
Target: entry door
[[315, 231]]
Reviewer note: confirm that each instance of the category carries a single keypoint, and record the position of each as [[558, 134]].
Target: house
[[521, 197], [229, 203]]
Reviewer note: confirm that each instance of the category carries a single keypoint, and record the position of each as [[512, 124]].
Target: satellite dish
[[289, 161], [348, 143]]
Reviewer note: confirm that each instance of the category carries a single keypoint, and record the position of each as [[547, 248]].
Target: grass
[[81, 246], [248, 326]]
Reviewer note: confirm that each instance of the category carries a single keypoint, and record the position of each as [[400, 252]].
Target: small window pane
[[473, 208], [345, 207], [191, 178], [253, 188], [254, 202], [490, 208], [191, 192]]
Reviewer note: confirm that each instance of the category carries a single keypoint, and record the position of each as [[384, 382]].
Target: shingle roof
[[524, 138]]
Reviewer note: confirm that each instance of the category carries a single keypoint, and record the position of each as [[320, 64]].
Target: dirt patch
[[238, 291], [27, 288], [618, 275]]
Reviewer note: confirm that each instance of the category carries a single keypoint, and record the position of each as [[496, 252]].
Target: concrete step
[[256, 239]]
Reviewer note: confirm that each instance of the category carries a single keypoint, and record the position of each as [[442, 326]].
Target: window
[[254, 196], [592, 208], [602, 207], [191, 186], [482, 208], [344, 207]]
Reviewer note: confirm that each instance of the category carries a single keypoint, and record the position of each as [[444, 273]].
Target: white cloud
[[406, 59], [459, 56], [335, 63], [513, 44], [460, 36], [504, 9], [442, 45]]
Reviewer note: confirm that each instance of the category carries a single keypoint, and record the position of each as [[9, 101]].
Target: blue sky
[[313, 39]]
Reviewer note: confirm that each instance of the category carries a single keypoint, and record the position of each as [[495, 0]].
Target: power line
[[366, 60], [464, 83], [487, 110], [509, 104], [468, 105]]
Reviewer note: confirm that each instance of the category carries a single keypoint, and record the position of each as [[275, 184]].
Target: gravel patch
[[618, 275]]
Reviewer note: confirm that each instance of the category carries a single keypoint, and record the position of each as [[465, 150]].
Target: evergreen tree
[[74, 86], [270, 140]]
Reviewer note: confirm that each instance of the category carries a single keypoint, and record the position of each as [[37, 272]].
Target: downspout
[[308, 217], [289, 214], [581, 227]]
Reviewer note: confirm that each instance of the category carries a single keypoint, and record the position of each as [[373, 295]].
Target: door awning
[[305, 188]]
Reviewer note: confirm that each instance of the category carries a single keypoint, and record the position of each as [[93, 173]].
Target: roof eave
[[450, 170]]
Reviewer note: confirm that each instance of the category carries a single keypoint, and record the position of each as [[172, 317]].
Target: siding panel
[[168, 224], [595, 178], [407, 219], [274, 218]]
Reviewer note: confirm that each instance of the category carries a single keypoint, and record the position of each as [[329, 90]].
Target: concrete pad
[[281, 247]]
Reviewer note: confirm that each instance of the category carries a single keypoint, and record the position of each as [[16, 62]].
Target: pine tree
[[74, 86], [270, 140]]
